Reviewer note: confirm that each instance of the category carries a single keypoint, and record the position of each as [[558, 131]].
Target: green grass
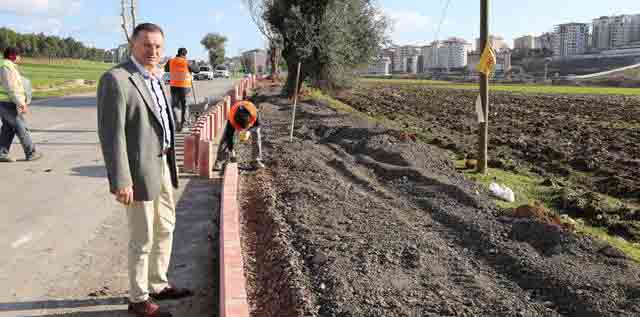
[[630, 249], [523, 88], [48, 78], [526, 188]]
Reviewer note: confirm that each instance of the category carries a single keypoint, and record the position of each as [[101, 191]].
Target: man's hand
[[23, 108], [124, 195]]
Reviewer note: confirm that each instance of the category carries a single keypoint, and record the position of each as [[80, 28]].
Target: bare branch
[[256, 11], [124, 20], [133, 14]]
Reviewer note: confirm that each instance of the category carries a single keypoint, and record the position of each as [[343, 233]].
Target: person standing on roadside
[[12, 112], [136, 131], [181, 82]]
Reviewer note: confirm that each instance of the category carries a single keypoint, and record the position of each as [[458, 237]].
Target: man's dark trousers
[[13, 124], [179, 102]]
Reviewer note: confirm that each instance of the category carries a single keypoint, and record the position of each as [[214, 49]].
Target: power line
[[444, 15]]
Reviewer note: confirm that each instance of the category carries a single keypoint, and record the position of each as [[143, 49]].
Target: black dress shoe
[[171, 292]]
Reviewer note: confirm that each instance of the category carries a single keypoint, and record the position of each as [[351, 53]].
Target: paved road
[[62, 235]]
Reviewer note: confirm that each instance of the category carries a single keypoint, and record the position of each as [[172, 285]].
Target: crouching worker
[[243, 119]]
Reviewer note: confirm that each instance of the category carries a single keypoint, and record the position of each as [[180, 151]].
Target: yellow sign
[[487, 60]]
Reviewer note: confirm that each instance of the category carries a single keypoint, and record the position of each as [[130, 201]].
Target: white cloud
[[41, 7], [409, 26], [49, 26]]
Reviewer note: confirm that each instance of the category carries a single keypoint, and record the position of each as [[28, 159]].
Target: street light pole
[[484, 90]]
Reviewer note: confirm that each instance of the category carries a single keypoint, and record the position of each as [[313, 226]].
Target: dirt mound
[[380, 225]]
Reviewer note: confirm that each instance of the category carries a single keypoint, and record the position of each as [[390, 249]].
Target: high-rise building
[[544, 41], [430, 55], [570, 39], [457, 52], [610, 32], [451, 53], [405, 56], [497, 43], [524, 42]]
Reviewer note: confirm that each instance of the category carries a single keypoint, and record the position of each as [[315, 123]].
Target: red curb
[[233, 293], [190, 153], [205, 161]]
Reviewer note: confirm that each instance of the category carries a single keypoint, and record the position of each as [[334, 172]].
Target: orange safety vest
[[253, 112], [179, 71]]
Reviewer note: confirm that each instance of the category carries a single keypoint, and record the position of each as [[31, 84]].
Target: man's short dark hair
[[147, 27], [182, 51], [11, 51]]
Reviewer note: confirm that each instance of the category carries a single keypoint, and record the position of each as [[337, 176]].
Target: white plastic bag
[[503, 192]]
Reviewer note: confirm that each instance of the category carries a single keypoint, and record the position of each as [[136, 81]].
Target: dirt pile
[[379, 225]]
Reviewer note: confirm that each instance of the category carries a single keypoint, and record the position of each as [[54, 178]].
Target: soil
[[353, 219], [589, 141]]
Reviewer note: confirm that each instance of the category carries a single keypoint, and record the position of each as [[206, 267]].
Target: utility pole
[[484, 91]]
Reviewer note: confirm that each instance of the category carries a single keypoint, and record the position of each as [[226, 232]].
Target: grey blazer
[[130, 131]]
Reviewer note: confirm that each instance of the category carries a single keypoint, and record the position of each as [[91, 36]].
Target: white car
[[204, 74], [222, 72]]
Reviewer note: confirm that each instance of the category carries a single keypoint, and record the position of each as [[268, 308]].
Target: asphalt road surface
[[64, 238]]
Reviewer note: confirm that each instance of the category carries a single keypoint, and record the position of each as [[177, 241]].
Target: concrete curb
[[233, 293]]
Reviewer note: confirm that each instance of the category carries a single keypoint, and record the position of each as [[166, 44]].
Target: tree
[[330, 38], [257, 11], [40, 45], [214, 43], [128, 15]]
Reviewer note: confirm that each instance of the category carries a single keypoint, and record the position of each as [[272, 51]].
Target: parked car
[[205, 73], [222, 72]]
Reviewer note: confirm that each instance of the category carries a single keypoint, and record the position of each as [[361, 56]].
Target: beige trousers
[[151, 225]]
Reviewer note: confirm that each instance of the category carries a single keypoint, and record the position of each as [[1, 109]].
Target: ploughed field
[[587, 146]]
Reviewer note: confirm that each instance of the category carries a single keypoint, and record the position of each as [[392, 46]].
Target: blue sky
[[96, 22]]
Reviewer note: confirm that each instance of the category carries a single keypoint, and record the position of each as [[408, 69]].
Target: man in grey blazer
[[137, 132]]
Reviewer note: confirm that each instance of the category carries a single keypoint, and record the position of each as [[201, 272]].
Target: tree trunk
[[292, 66], [274, 61]]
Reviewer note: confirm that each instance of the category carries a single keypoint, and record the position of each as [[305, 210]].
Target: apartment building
[[544, 41], [570, 39], [524, 42], [404, 57], [611, 32], [451, 53]]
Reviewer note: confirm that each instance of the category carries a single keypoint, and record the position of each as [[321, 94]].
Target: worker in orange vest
[[243, 119], [181, 82]]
